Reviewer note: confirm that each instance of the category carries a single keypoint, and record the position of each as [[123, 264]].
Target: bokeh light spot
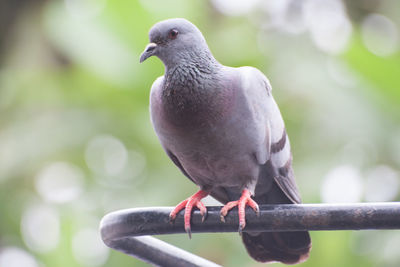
[[234, 7], [390, 250], [60, 182], [286, 15], [380, 35], [382, 184], [16, 257], [106, 155], [342, 184], [88, 249], [329, 25], [85, 9], [40, 228]]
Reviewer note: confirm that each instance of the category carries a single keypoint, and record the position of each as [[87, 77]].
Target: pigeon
[[223, 129]]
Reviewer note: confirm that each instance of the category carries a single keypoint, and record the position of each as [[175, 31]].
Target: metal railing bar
[[120, 229]]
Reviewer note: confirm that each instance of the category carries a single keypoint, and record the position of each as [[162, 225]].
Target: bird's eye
[[172, 34]]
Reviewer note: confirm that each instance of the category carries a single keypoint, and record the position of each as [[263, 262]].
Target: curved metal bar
[[119, 229]]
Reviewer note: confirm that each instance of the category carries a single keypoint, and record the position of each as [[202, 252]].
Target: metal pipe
[[119, 229]]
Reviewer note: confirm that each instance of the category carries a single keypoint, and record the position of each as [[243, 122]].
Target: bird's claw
[[203, 218], [176, 210], [188, 204], [257, 210], [188, 231], [241, 227], [171, 219], [245, 200], [203, 210]]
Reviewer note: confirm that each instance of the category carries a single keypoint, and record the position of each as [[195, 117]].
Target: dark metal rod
[[157, 252], [119, 228]]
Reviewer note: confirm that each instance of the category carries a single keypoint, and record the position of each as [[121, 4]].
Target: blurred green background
[[76, 140]]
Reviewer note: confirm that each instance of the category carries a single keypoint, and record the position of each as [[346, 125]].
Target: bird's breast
[[195, 106]]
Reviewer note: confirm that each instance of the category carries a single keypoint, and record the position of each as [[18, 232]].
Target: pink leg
[[244, 200], [188, 204]]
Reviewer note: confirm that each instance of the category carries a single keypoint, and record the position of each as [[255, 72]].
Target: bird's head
[[174, 40]]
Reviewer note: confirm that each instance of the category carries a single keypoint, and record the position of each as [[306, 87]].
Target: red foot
[[244, 200], [188, 204]]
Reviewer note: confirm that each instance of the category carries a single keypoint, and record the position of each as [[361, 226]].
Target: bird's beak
[[148, 51]]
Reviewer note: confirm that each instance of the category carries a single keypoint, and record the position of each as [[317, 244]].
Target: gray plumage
[[223, 129]]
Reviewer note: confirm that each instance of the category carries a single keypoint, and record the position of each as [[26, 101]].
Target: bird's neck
[[194, 63], [190, 70], [190, 88]]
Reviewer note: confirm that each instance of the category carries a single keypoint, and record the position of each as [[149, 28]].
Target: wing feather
[[279, 152]]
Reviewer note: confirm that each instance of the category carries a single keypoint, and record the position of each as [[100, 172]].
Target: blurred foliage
[[76, 140]]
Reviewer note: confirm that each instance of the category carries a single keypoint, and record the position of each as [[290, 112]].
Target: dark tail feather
[[285, 247]]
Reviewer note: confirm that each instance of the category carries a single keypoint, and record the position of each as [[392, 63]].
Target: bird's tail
[[285, 247]]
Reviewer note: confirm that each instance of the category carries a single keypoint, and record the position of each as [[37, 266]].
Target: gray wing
[[284, 176], [279, 164]]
